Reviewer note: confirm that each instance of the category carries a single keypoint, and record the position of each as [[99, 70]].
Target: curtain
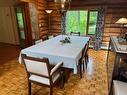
[[63, 22], [99, 29]]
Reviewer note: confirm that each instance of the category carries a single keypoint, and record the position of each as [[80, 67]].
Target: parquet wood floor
[[94, 82]]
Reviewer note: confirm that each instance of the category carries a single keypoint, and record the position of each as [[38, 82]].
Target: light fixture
[[62, 6], [48, 11], [125, 25], [122, 22]]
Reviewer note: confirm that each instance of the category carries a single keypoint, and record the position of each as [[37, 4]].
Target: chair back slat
[[85, 49], [36, 67], [75, 33], [39, 71]]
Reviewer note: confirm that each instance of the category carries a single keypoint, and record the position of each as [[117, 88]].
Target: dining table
[[56, 51]]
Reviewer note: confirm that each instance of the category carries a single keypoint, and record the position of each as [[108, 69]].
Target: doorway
[[23, 24]]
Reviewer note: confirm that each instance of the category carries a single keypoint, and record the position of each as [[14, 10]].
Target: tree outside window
[[81, 21]]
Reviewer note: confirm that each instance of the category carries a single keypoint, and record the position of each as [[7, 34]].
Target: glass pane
[[72, 21], [92, 22], [83, 22], [20, 23]]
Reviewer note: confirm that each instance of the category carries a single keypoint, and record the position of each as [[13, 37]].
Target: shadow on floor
[[8, 52]]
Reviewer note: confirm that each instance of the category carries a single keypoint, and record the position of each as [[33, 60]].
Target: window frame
[[88, 20]]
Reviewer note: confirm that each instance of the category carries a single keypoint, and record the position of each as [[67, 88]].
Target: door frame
[[27, 24]]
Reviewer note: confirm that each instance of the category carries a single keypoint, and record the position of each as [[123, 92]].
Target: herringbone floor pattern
[[94, 82]]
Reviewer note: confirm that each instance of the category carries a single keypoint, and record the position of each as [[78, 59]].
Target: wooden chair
[[38, 41], [39, 71], [75, 33], [45, 37], [50, 36], [83, 59], [86, 57]]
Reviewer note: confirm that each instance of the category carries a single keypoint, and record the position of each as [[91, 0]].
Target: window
[[81, 21], [72, 21], [92, 22]]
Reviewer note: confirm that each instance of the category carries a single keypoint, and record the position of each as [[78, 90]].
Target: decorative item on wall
[[122, 22], [49, 12], [99, 28], [63, 6]]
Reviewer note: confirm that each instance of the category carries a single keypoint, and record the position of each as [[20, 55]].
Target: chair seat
[[43, 80], [120, 88]]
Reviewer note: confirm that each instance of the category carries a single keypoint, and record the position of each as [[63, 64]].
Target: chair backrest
[[38, 41], [84, 52], [75, 33], [36, 66], [50, 36]]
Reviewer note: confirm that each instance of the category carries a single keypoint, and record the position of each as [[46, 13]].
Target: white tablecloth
[[55, 51]]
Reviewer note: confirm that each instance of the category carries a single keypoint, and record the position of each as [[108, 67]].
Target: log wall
[[42, 18], [114, 11], [112, 15], [55, 19]]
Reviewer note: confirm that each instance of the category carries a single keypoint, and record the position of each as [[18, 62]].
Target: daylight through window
[[81, 21]]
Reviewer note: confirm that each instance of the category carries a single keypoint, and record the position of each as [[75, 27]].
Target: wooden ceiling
[[95, 1], [92, 4], [8, 2], [73, 2], [4, 3]]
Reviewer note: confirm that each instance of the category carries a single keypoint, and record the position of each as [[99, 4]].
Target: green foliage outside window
[[77, 22], [83, 22], [72, 21], [92, 22], [20, 20]]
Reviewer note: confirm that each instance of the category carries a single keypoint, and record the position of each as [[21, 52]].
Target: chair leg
[[86, 62], [51, 90], [62, 80], [83, 66], [80, 70], [87, 58], [29, 88]]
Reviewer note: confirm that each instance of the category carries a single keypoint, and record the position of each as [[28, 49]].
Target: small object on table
[[66, 40]]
